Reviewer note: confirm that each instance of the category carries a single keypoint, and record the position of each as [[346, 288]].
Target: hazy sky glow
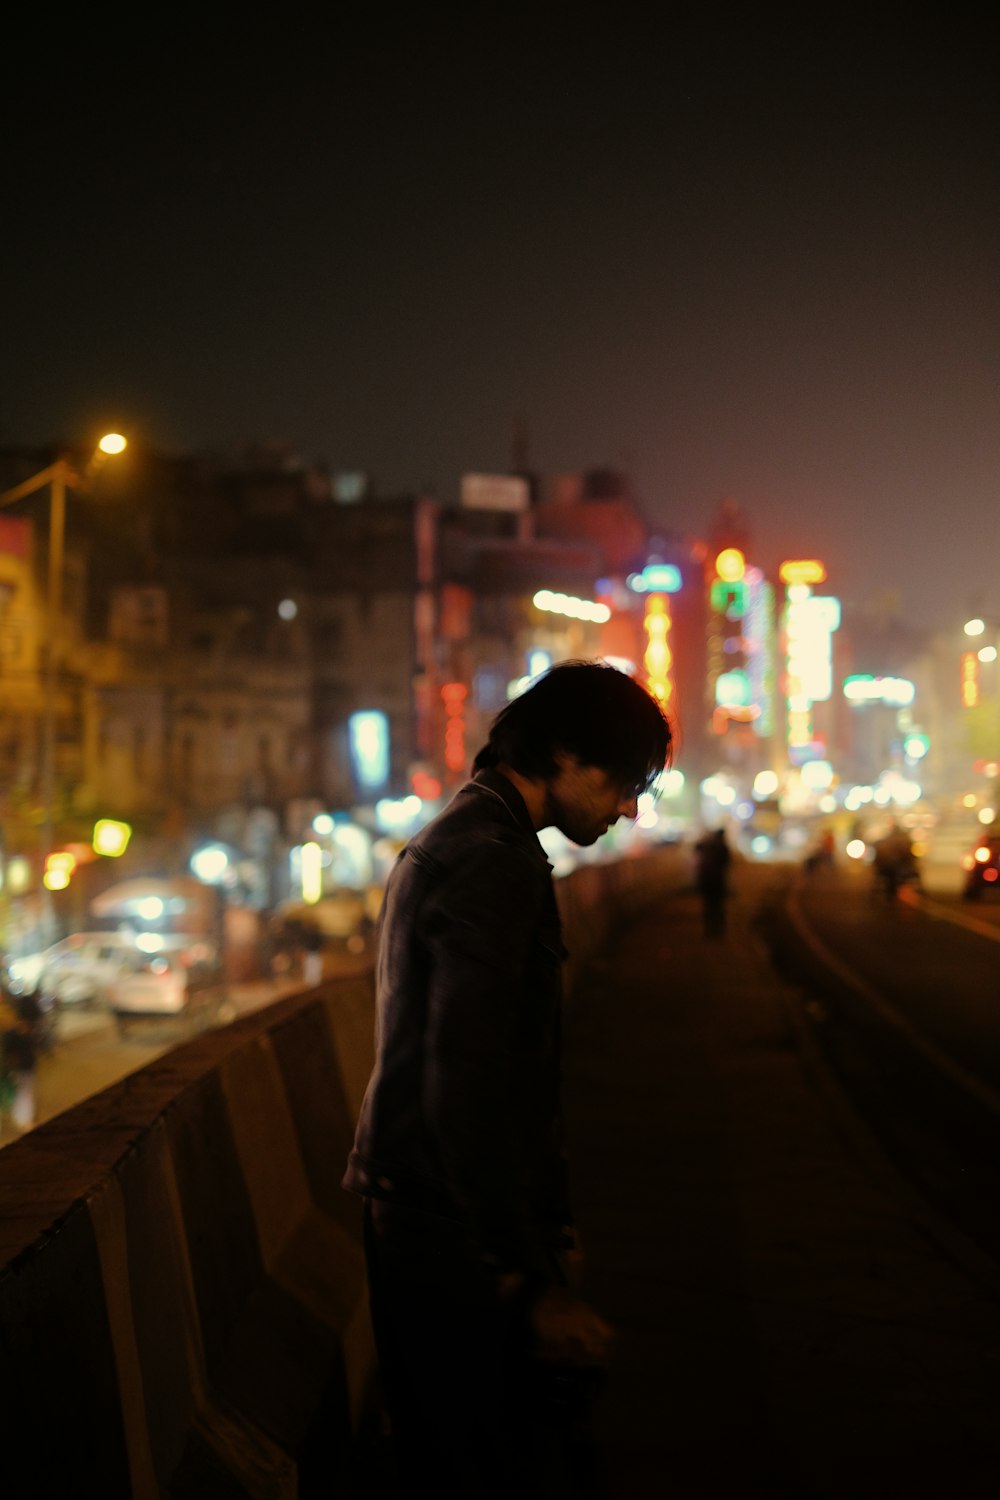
[[751, 265]]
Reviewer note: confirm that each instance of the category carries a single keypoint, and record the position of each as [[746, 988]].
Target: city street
[[796, 1318], [902, 998], [925, 966], [90, 1054]]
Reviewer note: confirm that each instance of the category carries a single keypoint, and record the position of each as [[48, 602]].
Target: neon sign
[[806, 572], [897, 692], [970, 679], [567, 604], [453, 695], [658, 657], [730, 565], [658, 578], [809, 625], [369, 737]]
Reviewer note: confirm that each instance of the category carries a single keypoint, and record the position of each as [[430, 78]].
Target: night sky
[[755, 264]]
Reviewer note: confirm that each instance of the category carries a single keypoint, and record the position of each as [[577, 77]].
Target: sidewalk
[[793, 1321]]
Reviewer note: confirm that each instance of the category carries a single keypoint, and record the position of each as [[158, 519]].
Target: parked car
[[76, 971], [165, 983], [982, 867]]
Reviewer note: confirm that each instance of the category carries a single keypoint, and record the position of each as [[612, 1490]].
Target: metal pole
[[57, 530]]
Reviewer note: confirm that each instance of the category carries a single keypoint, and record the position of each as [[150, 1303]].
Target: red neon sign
[[453, 695]]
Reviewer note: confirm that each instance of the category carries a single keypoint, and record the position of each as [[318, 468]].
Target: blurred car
[[78, 970], [164, 983], [982, 867]]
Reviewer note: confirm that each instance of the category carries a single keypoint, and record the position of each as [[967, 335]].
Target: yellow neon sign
[[807, 570]]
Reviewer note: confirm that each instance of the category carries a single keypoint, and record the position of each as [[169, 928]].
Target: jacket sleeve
[[483, 935]]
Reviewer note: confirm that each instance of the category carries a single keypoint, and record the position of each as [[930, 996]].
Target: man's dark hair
[[588, 709]]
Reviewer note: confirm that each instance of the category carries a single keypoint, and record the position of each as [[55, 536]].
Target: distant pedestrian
[[821, 855], [312, 955], [712, 861]]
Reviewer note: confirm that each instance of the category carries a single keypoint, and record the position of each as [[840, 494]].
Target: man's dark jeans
[[473, 1415]]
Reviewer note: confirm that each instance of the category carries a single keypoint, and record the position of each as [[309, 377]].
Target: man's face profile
[[584, 801]]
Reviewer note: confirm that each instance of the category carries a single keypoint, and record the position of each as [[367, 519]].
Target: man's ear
[[565, 759]]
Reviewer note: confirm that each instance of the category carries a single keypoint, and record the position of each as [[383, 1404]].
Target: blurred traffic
[[175, 956]]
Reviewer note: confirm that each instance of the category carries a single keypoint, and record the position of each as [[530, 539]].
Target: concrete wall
[[182, 1298], [182, 1291]]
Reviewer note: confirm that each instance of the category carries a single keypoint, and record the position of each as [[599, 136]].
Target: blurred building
[[247, 645]]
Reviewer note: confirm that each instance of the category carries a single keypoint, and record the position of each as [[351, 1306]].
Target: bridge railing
[[182, 1296]]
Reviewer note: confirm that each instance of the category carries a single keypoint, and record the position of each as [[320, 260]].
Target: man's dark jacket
[[461, 1117]]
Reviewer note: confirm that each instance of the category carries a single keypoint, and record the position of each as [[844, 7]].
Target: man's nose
[[628, 807]]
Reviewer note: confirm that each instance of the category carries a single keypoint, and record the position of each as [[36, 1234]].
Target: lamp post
[[59, 476]]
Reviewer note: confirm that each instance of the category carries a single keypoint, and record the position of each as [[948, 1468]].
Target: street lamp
[[59, 476]]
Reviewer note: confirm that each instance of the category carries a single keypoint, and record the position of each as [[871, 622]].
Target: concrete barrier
[[182, 1293]]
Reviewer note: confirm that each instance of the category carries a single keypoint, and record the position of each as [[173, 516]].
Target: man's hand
[[569, 1331], [574, 1262]]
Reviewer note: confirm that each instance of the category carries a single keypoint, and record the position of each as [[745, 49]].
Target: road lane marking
[[940, 913], [945, 1064]]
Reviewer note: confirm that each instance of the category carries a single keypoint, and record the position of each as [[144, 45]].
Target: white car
[[164, 983], [76, 971]]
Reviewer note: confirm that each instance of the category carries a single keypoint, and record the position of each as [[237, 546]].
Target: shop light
[[369, 737], [730, 565], [670, 783], [311, 872], [805, 571], [110, 837], [59, 868], [656, 578], [897, 692], [817, 775], [568, 604], [210, 864]]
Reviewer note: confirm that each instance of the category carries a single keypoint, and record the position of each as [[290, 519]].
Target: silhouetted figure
[[712, 860], [895, 862], [312, 955], [485, 1347], [821, 855], [20, 1039]]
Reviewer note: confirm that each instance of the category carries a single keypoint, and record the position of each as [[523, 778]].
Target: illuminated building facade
[[740, 680], [808, 624], [655, 585]]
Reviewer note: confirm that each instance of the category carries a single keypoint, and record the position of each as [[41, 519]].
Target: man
[[712, 861], [458, 1156]]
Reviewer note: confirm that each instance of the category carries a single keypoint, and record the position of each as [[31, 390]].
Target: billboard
[[494, 492]]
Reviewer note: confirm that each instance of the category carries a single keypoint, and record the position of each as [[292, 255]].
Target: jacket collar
[[497, 785]]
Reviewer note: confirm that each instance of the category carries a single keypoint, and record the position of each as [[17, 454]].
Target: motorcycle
[[896, 867]]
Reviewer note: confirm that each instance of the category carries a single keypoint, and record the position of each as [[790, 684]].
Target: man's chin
[[584, 840]]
